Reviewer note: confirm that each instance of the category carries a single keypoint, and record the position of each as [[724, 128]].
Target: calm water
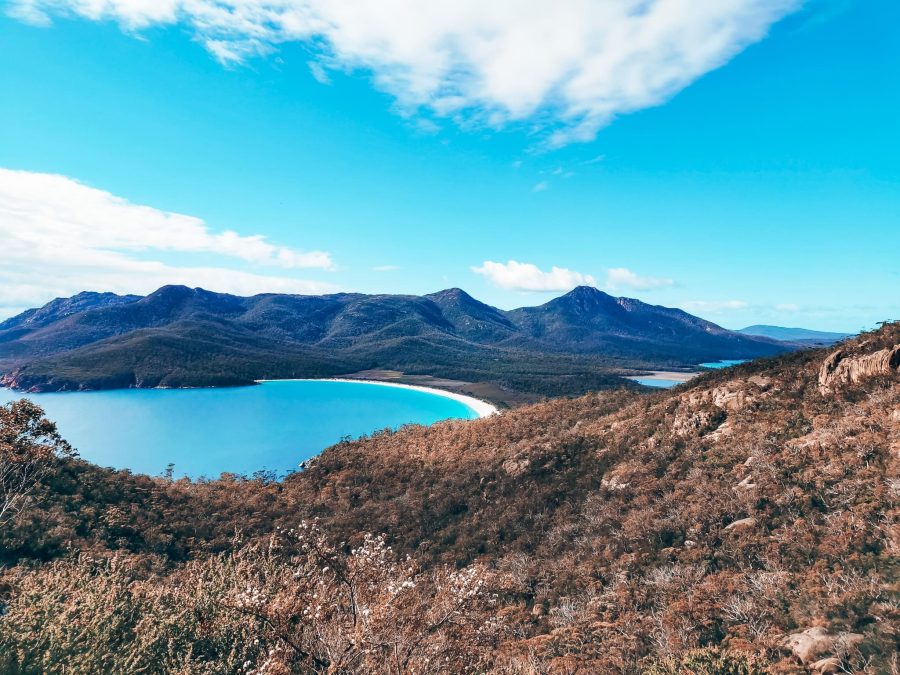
[[204, 432], [664, 384], [724, 363]]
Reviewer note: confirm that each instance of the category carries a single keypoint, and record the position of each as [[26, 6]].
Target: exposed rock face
[[515, 467], [730, 397], [827, 666], [840, 368], [746, 484], [815, 647], [760, 381], [705, 411], [724, 431], [20, 381], [694, 423], [614, 483], [734, 396], [741, 524]]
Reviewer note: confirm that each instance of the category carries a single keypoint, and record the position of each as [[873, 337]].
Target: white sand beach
[[481, 408]]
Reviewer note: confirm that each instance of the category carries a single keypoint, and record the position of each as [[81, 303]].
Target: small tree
[[29, 443], [297, 605], [327, 609]]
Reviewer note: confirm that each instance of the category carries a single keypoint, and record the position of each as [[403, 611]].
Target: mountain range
[[179, 336], [799, 335]]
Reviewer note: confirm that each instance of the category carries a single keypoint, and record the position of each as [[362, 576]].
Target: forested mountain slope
[[179, 336]]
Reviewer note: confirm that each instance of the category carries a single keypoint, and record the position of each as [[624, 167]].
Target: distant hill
[[178, 336], [801, 335]]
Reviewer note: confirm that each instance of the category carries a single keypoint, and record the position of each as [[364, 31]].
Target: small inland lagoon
[[724, 363], [656, 382]]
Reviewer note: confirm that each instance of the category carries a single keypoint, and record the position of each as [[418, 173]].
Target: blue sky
[[754, 178]]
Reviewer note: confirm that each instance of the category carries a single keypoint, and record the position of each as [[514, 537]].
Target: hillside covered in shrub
[[745, 522]]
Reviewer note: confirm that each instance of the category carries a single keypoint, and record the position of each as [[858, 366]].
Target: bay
[[204, 432]]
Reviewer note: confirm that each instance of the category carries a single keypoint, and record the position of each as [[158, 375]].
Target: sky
[[737, 159]]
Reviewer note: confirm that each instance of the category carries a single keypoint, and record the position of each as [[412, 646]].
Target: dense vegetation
[[746, 522], [190, 337]]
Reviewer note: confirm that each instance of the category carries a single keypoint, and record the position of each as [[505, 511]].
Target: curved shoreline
[[476, 405]]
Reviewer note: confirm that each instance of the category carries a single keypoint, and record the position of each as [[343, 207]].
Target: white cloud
[[59, 237], [319, 72], [594, 160], [714, 305], [787, 307], [541, 186], [385, 268], [567, 66], [518, 276], [621, 277]]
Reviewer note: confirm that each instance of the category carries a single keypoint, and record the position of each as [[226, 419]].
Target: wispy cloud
[[787, 307], [560, 172], [568, 66], [385, 268], [94, 240], [319, 72], [594, 160], [517, 276], [622, 277], [541, 186]]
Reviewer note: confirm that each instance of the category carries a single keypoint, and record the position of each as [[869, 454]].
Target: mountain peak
[[171, 291], [586, 300], [472, 318], [59, 308], [451, 294], [584, 291]]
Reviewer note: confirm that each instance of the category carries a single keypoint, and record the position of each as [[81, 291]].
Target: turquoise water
[[724, 363], [203, 432], [664, 384]]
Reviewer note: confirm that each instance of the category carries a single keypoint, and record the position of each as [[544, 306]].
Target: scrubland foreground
[[743, 523]]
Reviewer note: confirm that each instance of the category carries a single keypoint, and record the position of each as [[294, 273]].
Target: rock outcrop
[[743, 523], [732, 397], [841, 368], [816, 648], [828, 666], [697, 423]]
